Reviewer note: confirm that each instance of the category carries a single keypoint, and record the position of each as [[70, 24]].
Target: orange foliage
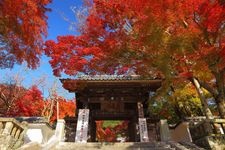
[[67, 108]]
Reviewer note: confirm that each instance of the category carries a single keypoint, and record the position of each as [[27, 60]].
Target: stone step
[[113, 146]]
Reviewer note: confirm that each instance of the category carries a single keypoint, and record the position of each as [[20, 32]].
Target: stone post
[[21, 136], [164, 131], [8, 128], [6, 138], [1, 127], [59, 135], [59, 131]]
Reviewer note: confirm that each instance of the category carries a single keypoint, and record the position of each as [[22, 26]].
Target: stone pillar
[[60, 130], [6, 139], [8, 128], [20, 140], [1, 127], [13, 132], [59, 136], [164, 131], [18, 133]]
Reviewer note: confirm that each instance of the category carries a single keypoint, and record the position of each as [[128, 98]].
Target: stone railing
[[11, 133], [209, 132], [208, 127], [194, 120]]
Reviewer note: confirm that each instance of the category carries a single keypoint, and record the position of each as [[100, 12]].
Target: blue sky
[[58, 25]]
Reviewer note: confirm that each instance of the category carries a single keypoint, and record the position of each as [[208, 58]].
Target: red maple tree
[[30, 104], [16, 101], [166, 38], [23, 24]]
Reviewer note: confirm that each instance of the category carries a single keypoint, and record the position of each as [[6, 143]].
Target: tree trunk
[[51, 109], [220, 98], [221, 108], [207, 112], [177, 111]]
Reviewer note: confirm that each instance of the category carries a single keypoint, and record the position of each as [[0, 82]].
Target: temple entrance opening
[[112, 131]]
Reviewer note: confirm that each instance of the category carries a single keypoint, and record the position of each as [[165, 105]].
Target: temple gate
[[113, 98]]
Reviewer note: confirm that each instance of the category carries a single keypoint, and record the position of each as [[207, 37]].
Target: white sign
[[82, 126], [143, 130]]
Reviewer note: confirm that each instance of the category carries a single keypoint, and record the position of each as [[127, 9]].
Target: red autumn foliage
[[109, 33], [165, 38], [119, 35], [9, 94], [18, 101], [30, 104], [23, 26]]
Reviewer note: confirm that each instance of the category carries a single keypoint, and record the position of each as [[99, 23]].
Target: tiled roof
[[109, 80], [108, 77]]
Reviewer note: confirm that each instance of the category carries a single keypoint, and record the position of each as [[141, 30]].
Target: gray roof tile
[[108, 77]]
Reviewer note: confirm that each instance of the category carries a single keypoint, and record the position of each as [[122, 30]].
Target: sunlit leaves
[[23, 24], [183, 101]]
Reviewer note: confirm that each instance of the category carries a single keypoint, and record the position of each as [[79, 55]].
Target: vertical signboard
[[143, 130], [82, 126]]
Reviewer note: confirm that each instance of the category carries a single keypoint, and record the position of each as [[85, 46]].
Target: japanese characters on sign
[[82, 126], [143, 130]]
